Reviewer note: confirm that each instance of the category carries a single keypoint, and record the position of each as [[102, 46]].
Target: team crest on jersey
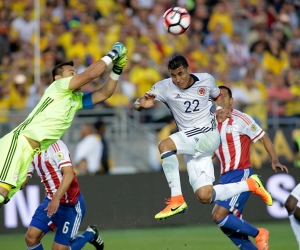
[[60, 156], [229, 129], [201, 91], [253, 127]]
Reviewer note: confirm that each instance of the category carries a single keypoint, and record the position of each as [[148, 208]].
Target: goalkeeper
[[53, 115]]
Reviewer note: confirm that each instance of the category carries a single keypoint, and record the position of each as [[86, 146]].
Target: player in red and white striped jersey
[[63, 207], [237, 133], [49, 167]]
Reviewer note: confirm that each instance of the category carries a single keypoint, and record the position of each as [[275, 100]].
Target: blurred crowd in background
[[251, 46]]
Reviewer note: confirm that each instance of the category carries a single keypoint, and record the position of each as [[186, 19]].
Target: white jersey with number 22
[[190, 107]]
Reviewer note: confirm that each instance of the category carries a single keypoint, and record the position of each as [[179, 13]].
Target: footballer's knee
[[31, 240], [291, 204], [203, 195], [166, 145], [4, 189], [33, 236], [219, 213]]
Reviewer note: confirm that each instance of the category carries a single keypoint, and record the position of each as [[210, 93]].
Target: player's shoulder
[[241, 117], [202, 76], [58, 146]]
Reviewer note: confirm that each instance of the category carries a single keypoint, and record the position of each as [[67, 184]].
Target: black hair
[[99, 124], [228, 89], [58, 69], [177, 61]]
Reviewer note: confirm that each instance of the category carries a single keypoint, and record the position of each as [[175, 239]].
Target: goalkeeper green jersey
[[53, 115]]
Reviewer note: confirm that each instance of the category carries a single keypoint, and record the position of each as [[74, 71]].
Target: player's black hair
[[228, 89], [177, 61], [58, 69], [99, 124]]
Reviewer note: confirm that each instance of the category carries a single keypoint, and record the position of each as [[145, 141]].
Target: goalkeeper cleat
[[262, 239], [97, 242], [176, 205], [119, 49], [255, 186]]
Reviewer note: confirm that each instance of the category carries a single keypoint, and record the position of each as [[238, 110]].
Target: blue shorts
[[66, 220], [236, 203]]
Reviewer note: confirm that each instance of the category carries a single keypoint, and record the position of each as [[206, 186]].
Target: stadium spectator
[[278, 95], [63, 205], [88, 151], [106, 162]]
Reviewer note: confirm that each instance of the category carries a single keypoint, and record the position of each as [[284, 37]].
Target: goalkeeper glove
[[119, 65], [117, 51]]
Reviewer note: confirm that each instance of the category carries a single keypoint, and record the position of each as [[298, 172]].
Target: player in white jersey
[[190, 96], [237, 133], [292, 206], [63, 208]]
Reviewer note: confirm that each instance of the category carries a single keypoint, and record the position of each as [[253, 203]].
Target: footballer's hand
[[277, 164], [223, 114], [119, 65], [117, 51], [148, 100], [52, 207]]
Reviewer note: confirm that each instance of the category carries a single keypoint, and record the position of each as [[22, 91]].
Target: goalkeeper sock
[[36, 247]]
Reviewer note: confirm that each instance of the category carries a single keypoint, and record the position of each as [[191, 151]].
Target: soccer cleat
[[255, 186], [176, 205], [262, 239], [97, 242]]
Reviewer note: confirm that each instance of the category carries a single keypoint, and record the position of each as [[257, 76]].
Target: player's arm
[[145, 102], [272, 153], [108, 88], [68, 175], [98, 67]]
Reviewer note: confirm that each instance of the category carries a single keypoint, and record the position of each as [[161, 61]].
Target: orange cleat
[[176, 205], [262, 239], [255, 186]]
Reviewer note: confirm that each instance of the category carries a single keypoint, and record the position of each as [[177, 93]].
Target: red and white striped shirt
[[48, 165], [236, 133]]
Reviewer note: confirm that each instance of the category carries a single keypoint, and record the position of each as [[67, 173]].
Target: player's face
[[227, 100], [68, 71], [181, 77]]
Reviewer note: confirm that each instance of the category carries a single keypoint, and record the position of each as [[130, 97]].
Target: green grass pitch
[[204, 237]]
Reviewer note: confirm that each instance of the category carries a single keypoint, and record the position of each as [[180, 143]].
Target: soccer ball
[[176, 20]]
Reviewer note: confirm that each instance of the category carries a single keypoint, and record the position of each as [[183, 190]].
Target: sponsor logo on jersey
[[253, 127], [60, 156], [178, 96], [229, 129], [201, 91]]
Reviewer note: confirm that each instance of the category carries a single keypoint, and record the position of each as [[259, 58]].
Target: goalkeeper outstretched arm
[[110, 84], [97, 68]]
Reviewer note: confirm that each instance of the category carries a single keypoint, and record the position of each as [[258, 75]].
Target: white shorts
[[198, 149], [296, 192], [200, 170]]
